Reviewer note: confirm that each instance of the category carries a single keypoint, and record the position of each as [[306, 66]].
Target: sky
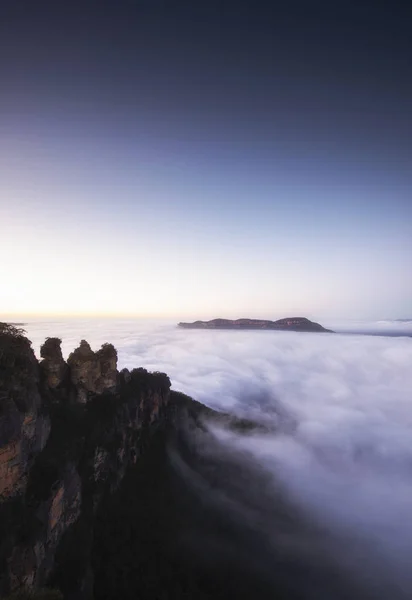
[[163, 158]]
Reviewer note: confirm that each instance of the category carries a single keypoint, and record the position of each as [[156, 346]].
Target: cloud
[[347, 460]]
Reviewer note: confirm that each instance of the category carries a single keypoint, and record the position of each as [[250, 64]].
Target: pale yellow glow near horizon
[[76, 267], [54, 264], [93, 282]]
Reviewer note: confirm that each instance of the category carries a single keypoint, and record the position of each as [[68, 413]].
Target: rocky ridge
[[288, 324]]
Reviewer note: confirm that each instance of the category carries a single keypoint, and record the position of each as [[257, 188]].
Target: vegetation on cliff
[[16, 361]]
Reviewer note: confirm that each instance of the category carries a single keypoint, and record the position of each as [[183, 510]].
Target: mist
[[341, 408]]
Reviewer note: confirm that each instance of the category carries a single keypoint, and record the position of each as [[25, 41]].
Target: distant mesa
[[288, 324]]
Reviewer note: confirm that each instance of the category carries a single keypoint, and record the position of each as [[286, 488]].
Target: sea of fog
[[342, 408]]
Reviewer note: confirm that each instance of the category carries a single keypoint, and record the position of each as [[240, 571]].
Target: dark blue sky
[[250, 159]]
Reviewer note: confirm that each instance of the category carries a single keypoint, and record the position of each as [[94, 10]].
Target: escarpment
[[93, 500], [24, 424], [69, 431]]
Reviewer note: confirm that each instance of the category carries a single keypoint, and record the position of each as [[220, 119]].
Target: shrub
[[13, 343], [17, 361]]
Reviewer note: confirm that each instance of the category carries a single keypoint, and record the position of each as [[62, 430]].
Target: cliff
[[288, 324], [69, 431], [85, 459]]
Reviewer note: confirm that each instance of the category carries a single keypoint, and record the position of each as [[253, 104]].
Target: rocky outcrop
[[288, 324], [107, 359], [24, 426], [68, 434], [93, 372], [91, 503], [53, 365]]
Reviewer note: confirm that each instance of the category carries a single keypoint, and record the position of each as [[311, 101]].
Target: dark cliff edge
[[84, 474], [69, 432], [288, 324]]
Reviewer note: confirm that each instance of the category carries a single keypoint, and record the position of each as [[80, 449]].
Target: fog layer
[[343, 409]]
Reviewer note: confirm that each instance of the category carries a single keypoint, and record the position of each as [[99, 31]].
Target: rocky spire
[[53, 366], [93, 372]]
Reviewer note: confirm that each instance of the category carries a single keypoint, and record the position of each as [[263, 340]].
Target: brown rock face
[[84, 370], [107, 358], [93, 372], [10, 468], [24, 429], [65, 505], [68, 434], [53, 365], [31, 563]]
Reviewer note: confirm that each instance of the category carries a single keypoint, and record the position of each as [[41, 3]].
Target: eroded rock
[[93, 372], [53, 365], [68, 434]]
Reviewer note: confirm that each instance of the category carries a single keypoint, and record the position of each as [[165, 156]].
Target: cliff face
[[68, 434], [24, 425], [93, 372]]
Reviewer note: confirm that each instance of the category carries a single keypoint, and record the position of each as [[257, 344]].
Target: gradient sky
[[206, 159]]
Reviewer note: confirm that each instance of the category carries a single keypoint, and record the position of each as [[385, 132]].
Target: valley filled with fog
[[341, 408]]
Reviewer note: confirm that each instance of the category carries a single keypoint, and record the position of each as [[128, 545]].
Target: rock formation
[[24, 426], [84, 448], [93, 372], [53, 365], [68, 434]]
